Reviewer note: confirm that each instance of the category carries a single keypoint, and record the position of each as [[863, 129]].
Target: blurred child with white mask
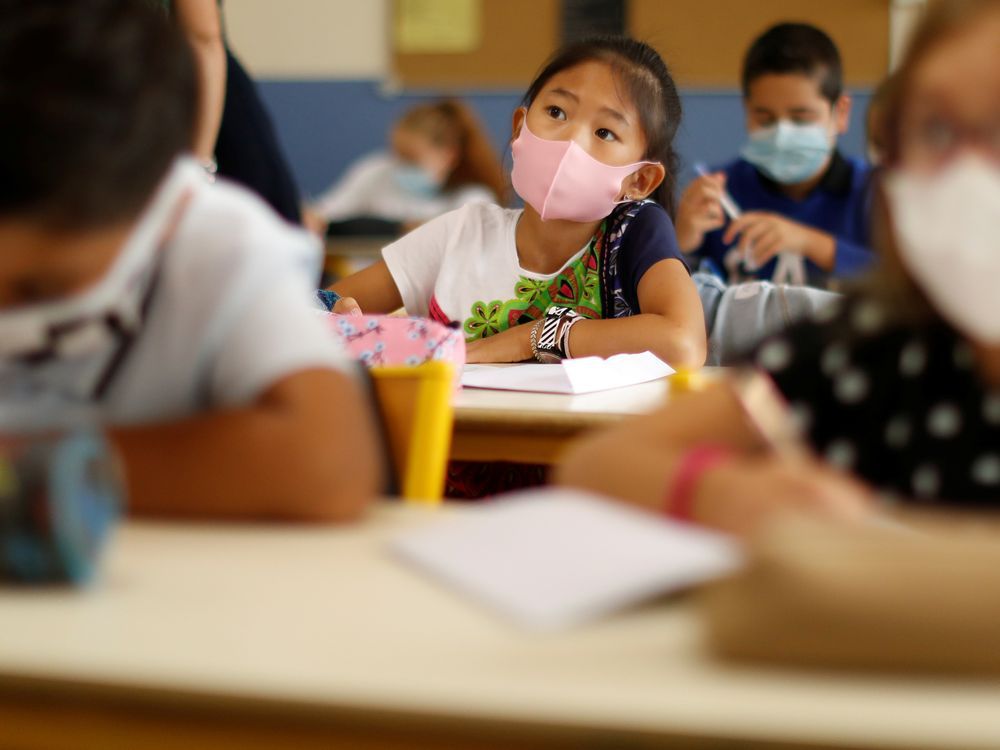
[[898, 393]]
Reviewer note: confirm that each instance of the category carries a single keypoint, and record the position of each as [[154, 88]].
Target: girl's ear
[[516, 121], [640, 184]]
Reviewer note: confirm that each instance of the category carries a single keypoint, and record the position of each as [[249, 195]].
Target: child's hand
[[700, 210], [347, 306], [314, 222], [512, 345], [739, 496], [763, 235]]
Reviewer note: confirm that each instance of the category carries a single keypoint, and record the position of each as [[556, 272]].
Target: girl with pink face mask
[[897, 394], [590, 265]]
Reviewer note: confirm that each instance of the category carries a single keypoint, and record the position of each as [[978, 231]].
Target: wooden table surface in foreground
[[493, 425], [252, 637]]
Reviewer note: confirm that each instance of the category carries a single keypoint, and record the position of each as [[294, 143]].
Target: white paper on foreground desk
[[549, 559], [584, 375]]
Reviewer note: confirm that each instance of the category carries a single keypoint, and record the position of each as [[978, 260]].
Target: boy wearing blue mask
[[136, 296], [804, 204]]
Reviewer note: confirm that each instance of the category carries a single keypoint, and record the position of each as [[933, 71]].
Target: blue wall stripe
[[325, 125]]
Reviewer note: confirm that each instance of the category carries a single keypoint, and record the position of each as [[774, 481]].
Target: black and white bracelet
[[550, 335]]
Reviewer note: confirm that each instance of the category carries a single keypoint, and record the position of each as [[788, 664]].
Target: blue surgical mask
[[416, 180], [788, 153]]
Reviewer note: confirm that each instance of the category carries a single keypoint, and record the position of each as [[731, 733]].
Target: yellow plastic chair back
[[417, 414]]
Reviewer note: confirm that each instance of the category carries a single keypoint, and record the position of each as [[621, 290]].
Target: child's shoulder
[[478, 218], [484, 211], [226, 223], [227, 238], [644, 217]]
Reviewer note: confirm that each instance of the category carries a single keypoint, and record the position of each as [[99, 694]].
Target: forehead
[[408, 142], [785, 91], [595, 83], [963, 69]]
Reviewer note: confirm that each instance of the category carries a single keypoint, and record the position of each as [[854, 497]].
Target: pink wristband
[[689, 470]]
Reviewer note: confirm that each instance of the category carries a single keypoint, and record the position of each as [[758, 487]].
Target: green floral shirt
[[576, 286]]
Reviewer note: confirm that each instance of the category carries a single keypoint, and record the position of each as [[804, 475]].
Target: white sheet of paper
[[554, 558], [584, 375]]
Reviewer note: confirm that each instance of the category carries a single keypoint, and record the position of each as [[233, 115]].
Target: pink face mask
[[560, 180]]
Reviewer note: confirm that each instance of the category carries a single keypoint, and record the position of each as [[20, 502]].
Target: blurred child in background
[[800, 197], [439, 159]]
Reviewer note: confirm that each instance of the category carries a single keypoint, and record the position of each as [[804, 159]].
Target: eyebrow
[[611, 112]]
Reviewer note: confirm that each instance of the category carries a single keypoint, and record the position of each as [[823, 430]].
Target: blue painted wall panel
[[325, 125]]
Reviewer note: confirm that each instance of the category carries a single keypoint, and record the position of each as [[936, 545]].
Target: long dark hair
[[648, 85]]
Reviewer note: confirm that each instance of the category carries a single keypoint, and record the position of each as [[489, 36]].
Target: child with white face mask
[[137, 298], [439, 158], [590, 266], [804, 204], [899, 392]]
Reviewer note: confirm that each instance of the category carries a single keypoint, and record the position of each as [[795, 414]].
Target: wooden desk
[[536, 427], [252, 637]]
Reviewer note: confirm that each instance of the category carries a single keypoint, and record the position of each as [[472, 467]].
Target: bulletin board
[[517, 36], [704, 41]]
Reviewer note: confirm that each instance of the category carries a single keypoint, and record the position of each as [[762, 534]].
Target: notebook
[[583, 375], [555, 558]]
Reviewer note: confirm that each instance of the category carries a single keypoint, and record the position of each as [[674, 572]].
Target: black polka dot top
[[901, 406]]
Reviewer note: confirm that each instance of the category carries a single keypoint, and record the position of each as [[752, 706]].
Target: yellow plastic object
[[417, 412], [687, 381]]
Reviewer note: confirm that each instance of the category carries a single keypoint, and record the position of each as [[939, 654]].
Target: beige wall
[[310, 38], [349, 39]]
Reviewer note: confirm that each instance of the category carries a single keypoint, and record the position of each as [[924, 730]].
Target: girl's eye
[[556, 113], [605, 135]]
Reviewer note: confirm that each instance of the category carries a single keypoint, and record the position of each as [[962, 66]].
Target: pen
[[732, 211], [725, 199]]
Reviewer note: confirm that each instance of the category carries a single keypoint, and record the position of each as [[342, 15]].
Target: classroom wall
[[322, 68]]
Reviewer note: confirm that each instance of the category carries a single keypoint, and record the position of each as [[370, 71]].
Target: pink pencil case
[[391, 340]]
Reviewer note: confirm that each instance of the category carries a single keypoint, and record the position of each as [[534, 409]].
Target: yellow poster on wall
[[437, 26]]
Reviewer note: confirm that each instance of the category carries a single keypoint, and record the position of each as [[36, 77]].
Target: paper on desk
[[584, 375], [553, 558]]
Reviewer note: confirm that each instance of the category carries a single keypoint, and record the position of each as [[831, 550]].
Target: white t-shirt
[[464, 266], [229, 316], [369, 189]]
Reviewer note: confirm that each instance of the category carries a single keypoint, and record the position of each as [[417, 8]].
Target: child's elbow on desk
[[684, 350], [330, 466]]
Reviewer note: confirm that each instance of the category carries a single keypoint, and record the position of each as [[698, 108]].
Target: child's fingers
[[757, 233], [737, 226], [706, 185], [716, 179], [709, 191], [711, 211], [347, 306], [765, 248]]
